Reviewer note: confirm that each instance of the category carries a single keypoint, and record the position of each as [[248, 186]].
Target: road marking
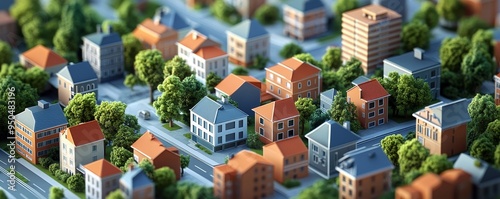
[[377, 144], [1, 181], [22, 195], [211, 175], [38, 187], [199, 168], [3, 162]]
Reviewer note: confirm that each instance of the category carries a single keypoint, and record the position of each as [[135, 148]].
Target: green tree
[[225, 12], [164, 177], [240, 71], [411, 155], [192, 190], [436, 164], [253, 140], [485, 37], [307, 57], [54, 9], [482, 110], [212, 81], [23, 11], [317, 118], [126, 136], [119, 156], [76, 183], [132, 80], [496, 157], [178, 67], [185, 159], [493, 131], [6, 53], [483, 148], [343, 6], [54, 167], [36, 78], [92, 17], [131, 121], [126, 166], [412, 94], [290, 50], [390, 144], [468, 26], [115, 4], [73, 17], [452, 52], [320, 189], [194, 91], [476, 67], [259, 62], [332, 59], [168, 105], [34, 33], [110, 115], [148, 168], [116, 194], [14, 70], [415, 35], [390, 84], [427, 14], [349, 72], [410, 136], [63, 43], [148, 67], [450, 10], [343, 111], [332, 79], [306, 108], [2, 194], [120, 28], [131, 47], [56, 193], [451, 84], [267, 14], [81, 109], [127, 12]]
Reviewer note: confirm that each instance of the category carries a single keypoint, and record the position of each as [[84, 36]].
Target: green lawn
[[187, 135], [20, 177], [173, 128], [46, 171], [204, 149], [258, 151]]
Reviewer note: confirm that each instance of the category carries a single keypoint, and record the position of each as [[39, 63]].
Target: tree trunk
[[151, 91], [171, 123], [182, 171]]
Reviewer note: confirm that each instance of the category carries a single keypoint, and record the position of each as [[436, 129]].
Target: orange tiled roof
[[149, 145], [226, 169], [427, 181], [294, 70], [43, 57], [103, 168], [232, 82], [84, 133], [454, 175], [210, 52], [371, 90], [150, 32], [288, 147], [408, 191], [278, 110], [245, 159], [195, 40]]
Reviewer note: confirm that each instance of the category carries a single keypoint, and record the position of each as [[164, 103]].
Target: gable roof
[[233, 82], [409, 63], [248, 29], [371, 90], [84, 133], [217, 112], [428, 181], [360, 79], [36, 118], [136, 178], [480, 174], [294, 70], [102, 39], [150, 32], [194, 40], [78, 72], [210, 52], [305, 5], [102, 168], [364, 161], [171, 19], [278, 110], [245, 159], [330, 94], [447, 114], [331, 134], [287, 147], [149, 145], [43, 57]]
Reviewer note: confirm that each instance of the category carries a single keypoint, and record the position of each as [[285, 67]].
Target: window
[[230, 137], [421, 140], [380, 111], [230, 125], [299, 85], [420, 128], [280, 125], [219, 140], [220, 128], [433, 73], [194, 118], [434, 136], [363, 106], [205, 124], [428, 132], [261, 131], [271, 76], [279, 80], [380, 121], [261, 121], [204, 135], [240, 124], [199, 121], [279, 91], [308, 82], [290, 123], [308, 94], [290, 133], [315, 148], [280, 136], [272, 88], [371, 124], [288, 84], [240, 134], [210, 128], [371, 105], [94, 148], [371, 114], [381, 102], [363, 115], [433, 85], [94, 158]]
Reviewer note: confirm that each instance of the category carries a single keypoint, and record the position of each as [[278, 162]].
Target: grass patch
[[258, 151], [187, 135], [204, 149], [329, 37], [173, 128], [291, 183], [46, 171], [107, 153], [20, 176]]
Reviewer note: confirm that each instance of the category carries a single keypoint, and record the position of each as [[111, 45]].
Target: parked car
[[144, 114]]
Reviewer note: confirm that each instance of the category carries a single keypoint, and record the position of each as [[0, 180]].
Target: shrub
[[53, 168], [76, 183], [64, 177], [58, 173], [45, 162], [291, 183]]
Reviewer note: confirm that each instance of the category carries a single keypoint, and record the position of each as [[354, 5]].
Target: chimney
[[110, 29], [195, 35], [98, 28], [43, 104], [418, 53], [224, 99], [156, 20], [347, 125]]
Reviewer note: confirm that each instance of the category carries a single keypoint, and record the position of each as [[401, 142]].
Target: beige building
[[101, 178], [304, 18], [80, 145], [246, 41], [76, 78], [370, 34], [154, 35]]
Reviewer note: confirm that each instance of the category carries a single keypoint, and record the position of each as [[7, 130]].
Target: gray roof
[[408, 62], [480, 174], [217, 112], [364, 161], [78, 72], [5, 4], [359, 80], [103, 39], [135, 178], [330, 94], [451, 113], [248, 29], [331, 135], [171, 19], [306, 5], [37, 118]]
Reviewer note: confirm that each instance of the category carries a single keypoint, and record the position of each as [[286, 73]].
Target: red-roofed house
[[289, 158], [101, 178], [154, 35], [245, 90], [44, 58], [371, 101], [203, 55], [150, 148], [293, 78], [80, 145], [277, 120]]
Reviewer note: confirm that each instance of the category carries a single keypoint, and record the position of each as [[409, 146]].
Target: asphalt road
[[37, 186], [20, 193], [376, 140]]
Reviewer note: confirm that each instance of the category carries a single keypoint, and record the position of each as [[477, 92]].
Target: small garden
[[291, 183], [75, 183], [204, 149], [171, 128]]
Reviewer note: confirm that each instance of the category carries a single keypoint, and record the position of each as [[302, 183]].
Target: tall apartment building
[[304, 18], [370, 34], [484, 9]]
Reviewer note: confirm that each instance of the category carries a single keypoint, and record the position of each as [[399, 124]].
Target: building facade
[[8, 28], [293, 78], [136, 184], [485, 177], [80, 145], [101, 178], [277, 120], [171, 19], [289, 158], [484, 9], [326, 100], [371, 100], [76, 78], [44, 58], [154, 35], [442, 127], [104, 52], [417, 65], [304, 19], [370, 34], [37, 130], [218, 125], [246, 8], [497, 89], [244, 90], [246, 41]]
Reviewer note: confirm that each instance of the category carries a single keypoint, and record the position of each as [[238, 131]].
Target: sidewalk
[[391, 126], [193, 177], [304, 183]]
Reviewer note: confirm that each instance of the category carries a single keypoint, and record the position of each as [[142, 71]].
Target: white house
[[101, 178]]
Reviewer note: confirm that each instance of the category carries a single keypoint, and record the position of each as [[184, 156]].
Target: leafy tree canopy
[[290, 50], [415, 35]]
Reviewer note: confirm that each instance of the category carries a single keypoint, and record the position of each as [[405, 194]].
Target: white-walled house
[[101, 178]]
